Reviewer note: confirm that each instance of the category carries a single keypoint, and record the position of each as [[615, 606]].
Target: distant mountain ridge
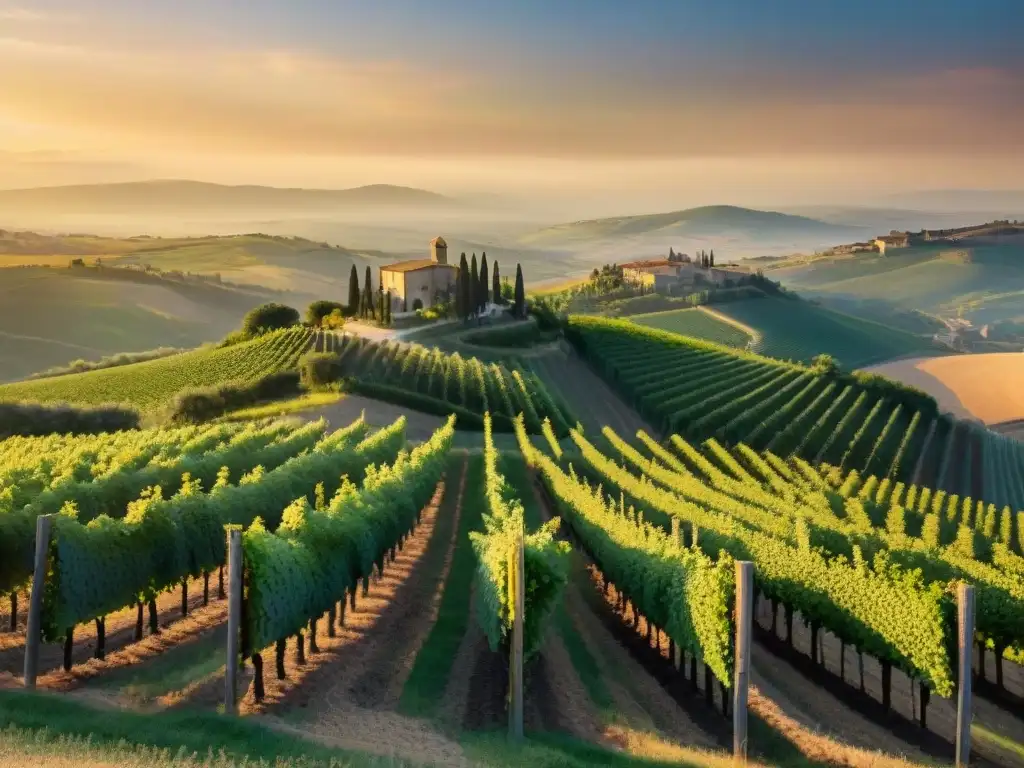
[[707, 221], [182, 194], [1001, 202]]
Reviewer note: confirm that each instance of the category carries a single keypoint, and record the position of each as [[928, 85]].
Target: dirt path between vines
[[800, 710], [592, 400], [638, 702], [344, 693], [805, 700], [119, 635]]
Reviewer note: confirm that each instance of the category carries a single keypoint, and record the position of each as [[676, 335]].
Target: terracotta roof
[[412, 265], [647, 263], [439, 241]]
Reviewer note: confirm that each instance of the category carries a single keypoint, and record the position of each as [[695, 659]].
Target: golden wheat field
[[986, 387]]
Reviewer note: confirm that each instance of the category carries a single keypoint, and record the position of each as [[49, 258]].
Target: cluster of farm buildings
[[896, 239], [678, 274]]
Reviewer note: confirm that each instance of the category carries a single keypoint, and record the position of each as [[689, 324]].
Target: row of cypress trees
[[361, 303], [472, 293]]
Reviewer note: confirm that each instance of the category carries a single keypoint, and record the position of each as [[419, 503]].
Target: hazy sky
[[664, 103]]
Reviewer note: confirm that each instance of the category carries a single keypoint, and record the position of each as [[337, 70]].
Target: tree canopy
[[269, 317]]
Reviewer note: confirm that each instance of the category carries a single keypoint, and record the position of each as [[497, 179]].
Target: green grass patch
[[799, 330], [54, 725], [696, 324], [285, 407], [583, 662], [172, 670], [425, 686], [1012, 746]]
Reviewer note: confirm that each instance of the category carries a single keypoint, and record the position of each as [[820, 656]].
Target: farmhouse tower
[[439, 250]]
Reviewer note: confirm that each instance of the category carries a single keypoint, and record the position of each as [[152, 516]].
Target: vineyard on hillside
[[697, 324], [847, 556], [152, 384], [702, 391], [437, 382], [362, 582], [864, 560], [798, 331]]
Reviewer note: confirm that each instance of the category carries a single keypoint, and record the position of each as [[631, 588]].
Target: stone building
[[420, 283], [666, 276], [894, 240]]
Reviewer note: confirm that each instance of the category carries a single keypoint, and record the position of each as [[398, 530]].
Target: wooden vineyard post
[[744, 622], [965, 611], [34, 630], [517, 584], [234, 620]]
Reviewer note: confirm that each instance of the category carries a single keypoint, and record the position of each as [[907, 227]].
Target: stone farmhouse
[[893, 240], [674, 276], [420, 283]]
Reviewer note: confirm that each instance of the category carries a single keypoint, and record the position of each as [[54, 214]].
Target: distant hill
[[996, 201], [881, 219], [195, 290], [169, 195], [294, 265], [695, 227], [50, 316], [985, 281], [798, 330]]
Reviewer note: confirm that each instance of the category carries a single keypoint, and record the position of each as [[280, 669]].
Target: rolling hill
[[798, 331], [739, 232], [51, 316], [169, 195], [985, 282]]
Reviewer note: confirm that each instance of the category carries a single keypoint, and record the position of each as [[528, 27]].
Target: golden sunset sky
[[788, 101]]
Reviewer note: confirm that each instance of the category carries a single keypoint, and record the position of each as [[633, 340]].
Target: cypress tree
[[457, 298], [464, 294], [353, 291], [387, 309], [368, 293], [484, 283], [711, 258], [474, 288], [496, 285], [520, 305], [380, 302]]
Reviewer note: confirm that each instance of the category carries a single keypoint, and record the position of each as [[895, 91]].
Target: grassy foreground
[[58, 731], [60, 728]]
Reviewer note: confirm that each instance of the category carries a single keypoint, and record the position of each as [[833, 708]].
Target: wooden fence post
[[965, 610], [234, 621], [744, 621], [517, 577], [34, 630]]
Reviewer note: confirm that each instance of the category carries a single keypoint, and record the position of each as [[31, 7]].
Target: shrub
[[546, 317], [318, 310], [318, 369], [908, 396], [269, 317], [825, 365], [194, 406], [31, 419]]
